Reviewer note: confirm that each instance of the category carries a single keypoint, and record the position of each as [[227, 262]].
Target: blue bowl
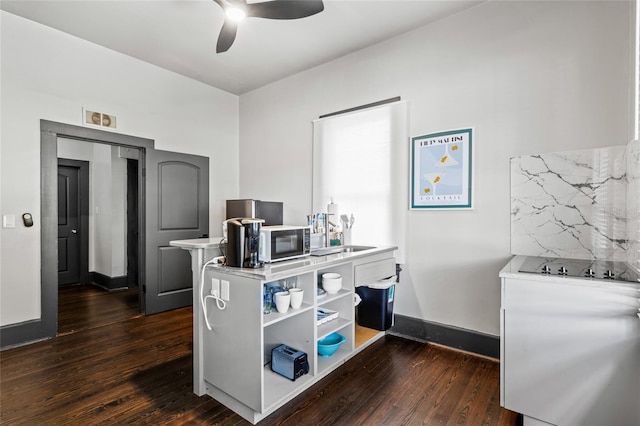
[[330, 344]]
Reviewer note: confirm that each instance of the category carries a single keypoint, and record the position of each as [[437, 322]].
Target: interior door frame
[[50, 131], [83, 216]]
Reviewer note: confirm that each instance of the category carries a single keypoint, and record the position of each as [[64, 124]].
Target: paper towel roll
[[333, 209]]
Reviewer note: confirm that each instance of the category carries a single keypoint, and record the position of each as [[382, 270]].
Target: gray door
[[177, 208], [73, 207], [68, 224]]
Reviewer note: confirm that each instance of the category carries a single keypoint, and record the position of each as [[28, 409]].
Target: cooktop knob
[[562, 271], [546, 269], [590, 273], [608, 275]]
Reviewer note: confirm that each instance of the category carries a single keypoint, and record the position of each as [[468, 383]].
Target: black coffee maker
[[243, 242]]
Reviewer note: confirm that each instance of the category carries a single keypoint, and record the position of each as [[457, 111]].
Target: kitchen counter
[[569, 348], [198, 243], [276, 270], [511, 270], [232, 350]]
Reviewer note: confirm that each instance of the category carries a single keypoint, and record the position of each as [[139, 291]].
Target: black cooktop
[[598, 269]]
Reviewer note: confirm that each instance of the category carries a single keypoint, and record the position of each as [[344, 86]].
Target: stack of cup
[[284, 299]]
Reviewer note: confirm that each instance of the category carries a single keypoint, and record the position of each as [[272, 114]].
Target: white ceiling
[[181, 35]]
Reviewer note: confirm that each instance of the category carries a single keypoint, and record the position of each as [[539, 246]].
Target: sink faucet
[[328, 227], [327, 234]]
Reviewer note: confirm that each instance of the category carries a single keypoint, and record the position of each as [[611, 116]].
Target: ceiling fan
[[237, 10]]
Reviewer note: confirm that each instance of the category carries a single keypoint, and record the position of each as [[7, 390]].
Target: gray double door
[[176, 207]]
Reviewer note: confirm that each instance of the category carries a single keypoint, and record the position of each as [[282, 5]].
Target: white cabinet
[[295, 329], [236, 352], [570, 351], [343, 303]]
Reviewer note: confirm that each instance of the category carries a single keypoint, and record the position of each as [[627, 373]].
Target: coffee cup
[[296, 297], [282, 299]]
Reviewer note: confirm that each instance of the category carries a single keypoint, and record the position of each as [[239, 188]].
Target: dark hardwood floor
[[85, 306], [137, 370]]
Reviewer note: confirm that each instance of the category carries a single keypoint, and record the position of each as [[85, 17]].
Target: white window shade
[[360, 159]]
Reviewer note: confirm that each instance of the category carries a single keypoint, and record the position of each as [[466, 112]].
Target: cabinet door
[[371, 272], [571, 353]]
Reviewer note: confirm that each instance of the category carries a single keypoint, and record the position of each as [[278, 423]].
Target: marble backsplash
[[577, 204]]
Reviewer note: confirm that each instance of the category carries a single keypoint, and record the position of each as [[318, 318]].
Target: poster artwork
[[441, 170]]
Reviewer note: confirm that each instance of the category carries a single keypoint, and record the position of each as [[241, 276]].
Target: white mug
[[282, 299], [296, 297]]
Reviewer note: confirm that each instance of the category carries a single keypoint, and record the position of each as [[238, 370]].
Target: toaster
[[288, 362]]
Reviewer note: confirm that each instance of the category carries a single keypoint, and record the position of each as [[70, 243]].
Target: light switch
[[9, 221]]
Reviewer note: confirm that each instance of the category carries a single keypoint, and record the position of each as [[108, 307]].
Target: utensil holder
[[346, 236]]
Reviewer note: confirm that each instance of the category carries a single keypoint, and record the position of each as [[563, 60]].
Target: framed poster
[[441, 170]]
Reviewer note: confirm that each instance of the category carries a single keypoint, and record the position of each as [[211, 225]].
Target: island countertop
[[198, 243], [246, 383], [277, 270]]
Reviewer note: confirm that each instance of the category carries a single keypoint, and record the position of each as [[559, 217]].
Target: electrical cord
[[203, 299], [221, 247]]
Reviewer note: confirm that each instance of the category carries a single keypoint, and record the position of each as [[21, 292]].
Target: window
[[360, 159]]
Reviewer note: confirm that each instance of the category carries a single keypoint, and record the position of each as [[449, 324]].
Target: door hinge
[[144, 172]]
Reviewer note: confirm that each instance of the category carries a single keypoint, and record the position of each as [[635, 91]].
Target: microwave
[[282, 242]]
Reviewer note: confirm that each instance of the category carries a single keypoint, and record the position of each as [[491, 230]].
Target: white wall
[[531, 77], [46, 74], [117, 213]]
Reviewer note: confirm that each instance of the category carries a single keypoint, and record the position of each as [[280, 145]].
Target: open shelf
[[278, 388], [343, 327], [327, 362], [366, 335], [346, 272], [331, 326], [331, 297], [275, 316]]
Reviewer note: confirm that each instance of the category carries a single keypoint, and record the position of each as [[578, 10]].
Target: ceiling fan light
[[235, 14]]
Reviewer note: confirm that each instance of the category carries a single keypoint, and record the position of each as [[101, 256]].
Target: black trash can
[[376, 308]]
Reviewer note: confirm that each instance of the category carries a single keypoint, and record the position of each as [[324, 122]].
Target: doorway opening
[[173, 204], [98, 232]]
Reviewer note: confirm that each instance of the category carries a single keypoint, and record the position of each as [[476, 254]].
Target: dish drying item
[[325, 315]]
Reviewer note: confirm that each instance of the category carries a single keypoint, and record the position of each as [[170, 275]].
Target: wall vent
[[100, 119]]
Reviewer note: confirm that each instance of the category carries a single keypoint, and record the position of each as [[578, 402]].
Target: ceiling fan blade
[[227, 36], [285, 9]]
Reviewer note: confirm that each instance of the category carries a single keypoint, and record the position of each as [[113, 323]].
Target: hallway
[[84, 306]]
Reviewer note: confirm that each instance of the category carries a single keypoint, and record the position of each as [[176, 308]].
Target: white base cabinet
[[235, 355], [570, 351]]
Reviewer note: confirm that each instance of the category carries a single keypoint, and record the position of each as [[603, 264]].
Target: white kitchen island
[[232, 360], [569, 349]]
